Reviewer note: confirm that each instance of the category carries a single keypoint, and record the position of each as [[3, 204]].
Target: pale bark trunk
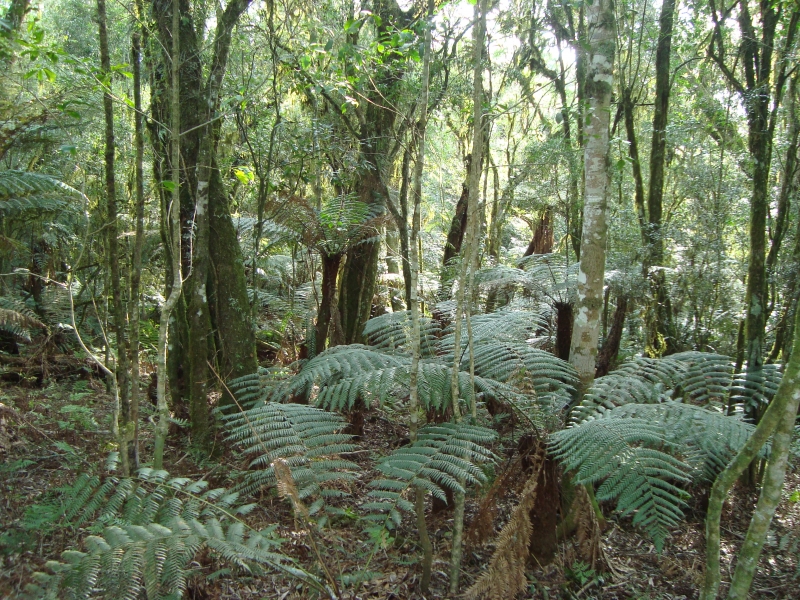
[[467, 260], [599, 80]]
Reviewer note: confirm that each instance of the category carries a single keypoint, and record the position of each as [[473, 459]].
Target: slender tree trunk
[[414, 408], [599, 81], [402, 225], [468, 258], [173, 226], [139, 35], [127, 426], [778, 418]]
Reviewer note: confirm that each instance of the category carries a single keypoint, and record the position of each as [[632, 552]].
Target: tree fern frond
[[448, 455], [254, 387], [639, 450], [149, 540], [392, 332], [308, 438], [629, 456], [503, 325], [510, 362], [17, 319], [707, 378], [753, 390], [339, 362], [22, 191]]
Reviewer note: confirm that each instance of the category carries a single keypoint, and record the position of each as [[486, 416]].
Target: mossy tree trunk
[[215, 297], [761, 96]]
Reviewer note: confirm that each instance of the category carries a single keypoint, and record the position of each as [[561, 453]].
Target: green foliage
[[310, 440], [147, 530], [23, 192], [703, 379], [392, 333], [642, 452], [17, 319], [445, 456]]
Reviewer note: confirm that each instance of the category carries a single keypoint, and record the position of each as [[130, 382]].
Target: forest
[[399, 299]]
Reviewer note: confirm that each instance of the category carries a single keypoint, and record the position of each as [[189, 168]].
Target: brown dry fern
[[505, 576]]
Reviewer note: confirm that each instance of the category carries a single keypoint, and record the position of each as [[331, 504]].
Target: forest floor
[[49, 434]]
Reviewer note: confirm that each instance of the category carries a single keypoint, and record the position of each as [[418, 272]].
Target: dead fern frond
[[587, 528], [287, 488], [505, 576]]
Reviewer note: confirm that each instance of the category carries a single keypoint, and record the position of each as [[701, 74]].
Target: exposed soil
[[43, 446]]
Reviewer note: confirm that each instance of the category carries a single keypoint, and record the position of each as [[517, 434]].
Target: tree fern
[[17, 319], [149, 528], [504, 325], [707, 378], [309, 439], [334, 364], [445, 456], [392, 332], [755, 390], [641, 452], [22, 192]]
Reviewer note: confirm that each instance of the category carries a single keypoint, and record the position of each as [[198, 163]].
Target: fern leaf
[[448, 455]]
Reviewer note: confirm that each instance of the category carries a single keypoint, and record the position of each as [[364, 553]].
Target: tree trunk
[[213, 259], [608, 354], [599, 81], [138, 37], [413, 301], [468, 265], [171, 223], [230, 307], [542, 241], [358, 280], [778, 418], [455, 235], [127, 425], [330, 272]]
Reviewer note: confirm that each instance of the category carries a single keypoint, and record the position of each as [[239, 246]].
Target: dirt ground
[[49, 434]]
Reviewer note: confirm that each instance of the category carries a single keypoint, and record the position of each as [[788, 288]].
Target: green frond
[[447, 455], [149, 540], [333, 365], [500, 326], [755, 389], [641, 452], [18, 319], [629, 456], [309, 439], [707, 378], [23, 191], [392, 332]]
